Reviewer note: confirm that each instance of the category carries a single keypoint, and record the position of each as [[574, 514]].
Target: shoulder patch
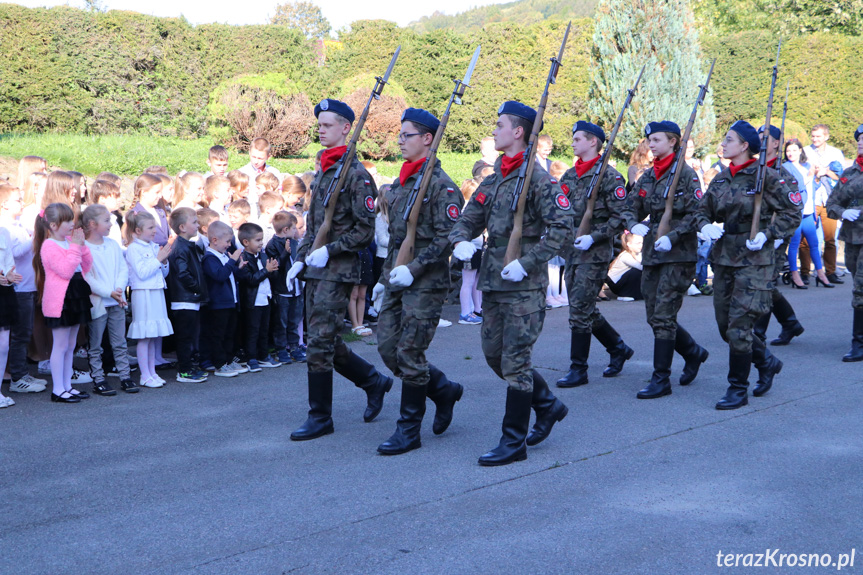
[[642, 193], [370, 203], [562, 201], [843, 180], [553, 181], [479, 197], [795, 198], [453, 212], [620, 193], [450, 190], [694, 178], [719, 181], [698, 193], [565, 188], [368, 183]]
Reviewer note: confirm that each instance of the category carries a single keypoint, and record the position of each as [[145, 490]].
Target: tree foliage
[[522, 13], [783, 17], [303, 16]]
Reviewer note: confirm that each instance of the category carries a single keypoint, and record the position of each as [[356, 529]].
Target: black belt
[[503, 242], [737, 228], [418, 244]]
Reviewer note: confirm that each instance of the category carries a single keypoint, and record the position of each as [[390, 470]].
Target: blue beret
[[858, 132], [582, 126], [775, 132], [514, 108], [667, 127], [336, 107], [749, 135], [421, 117]]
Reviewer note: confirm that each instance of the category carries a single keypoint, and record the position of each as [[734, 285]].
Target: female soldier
[[669, 260], [743, 267]]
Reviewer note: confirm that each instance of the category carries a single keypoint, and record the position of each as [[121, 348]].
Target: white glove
[[378, 296], [583, 243], [712, 232], [464, 251], [663, 244], [295, 270], [319, 257], [401, 277], [777, 243], [851, 215], [513, 272], [640, 230], [757, 243]]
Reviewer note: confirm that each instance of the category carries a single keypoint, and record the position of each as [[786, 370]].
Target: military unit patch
[[843, 180], [562, 201], [698, 193], [642, 193], [795, 198], [452, 212], [620, 193], [370, 203], [480, 198], [565, 188]]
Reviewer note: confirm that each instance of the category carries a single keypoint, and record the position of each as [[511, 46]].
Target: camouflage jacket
[[848, 194], [353, 224], [440, 210], [545, 225], [610, 213], [731, 200], [647, 200]]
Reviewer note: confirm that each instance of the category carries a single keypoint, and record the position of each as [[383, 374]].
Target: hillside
[[523, 12]]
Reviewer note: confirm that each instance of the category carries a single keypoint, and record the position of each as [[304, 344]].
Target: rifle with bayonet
[[525, 172], [676, 168], [782, 126], [762, 156], [415, 199], [596, 180], [337, 184]]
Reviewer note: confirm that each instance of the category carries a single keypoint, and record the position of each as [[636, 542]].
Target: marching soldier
[[844, 203], [330, 273], [743, 268], [413, 294], [514, 295], [588, 258], [669, 260]]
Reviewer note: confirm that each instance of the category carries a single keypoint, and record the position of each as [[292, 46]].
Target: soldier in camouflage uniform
[[331, 272], [588, 258], [791, 326], [844, 203], [743, 268], [514, 294], [668, 261], [413, 294]]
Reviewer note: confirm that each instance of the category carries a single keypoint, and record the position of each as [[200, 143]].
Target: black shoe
[[129, 386], [549, 410], [166, 366], [445, 394], [805, 280], [65, 397], [320, 420], [103, 389], [407, 435], [827, 285], [834, 279], [660, 381], [79, 394], [693, 354], [786, 335], [579, 350], [738, 377], [515, 423], [613, 344], [365, 376], [768, 366], [856, 353]]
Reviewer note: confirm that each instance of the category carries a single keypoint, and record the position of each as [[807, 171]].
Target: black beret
[[775, 132], [582, 126], [421, 117], [749, 135], [667, 127], [858, 132], [336, 107], [514, 108]]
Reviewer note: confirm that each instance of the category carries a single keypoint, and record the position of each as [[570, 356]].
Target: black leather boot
[[365, 376], [549, 410], [320, 421], [759, 329], [856, 353], [660, 381], [444, 393], [579, 350], [613, 344], [693, 354], [767, 364], [738, 377], [515, 423], [791, 327], [407, 435]]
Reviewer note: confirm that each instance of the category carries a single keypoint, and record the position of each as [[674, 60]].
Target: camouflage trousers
[[326, 305], [853, 254], [663, 287], [740, 296], [406, 326], [780, 259], [583, 284], [511, 324]]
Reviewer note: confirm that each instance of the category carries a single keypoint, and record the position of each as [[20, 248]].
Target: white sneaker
[[159, 379], [444, 323], [6, 401], [45, 367], [225, 371], [624, 298], [81, 377], [693, 290], [237, 368], [81, 352], [151, 383], [28, 384]]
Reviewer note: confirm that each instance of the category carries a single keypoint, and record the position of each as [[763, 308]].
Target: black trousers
[[256, 323], [629, 285], [219, 326], [185, 330]]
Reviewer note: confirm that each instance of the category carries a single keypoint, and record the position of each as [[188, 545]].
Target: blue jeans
[[701, 264], [808, 230], [286, 334]]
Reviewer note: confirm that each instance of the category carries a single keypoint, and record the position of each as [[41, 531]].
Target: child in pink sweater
[[61, 260]]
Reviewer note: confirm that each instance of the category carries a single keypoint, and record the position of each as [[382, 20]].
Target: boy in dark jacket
[[255, 293], [287, 295], [188, 291]]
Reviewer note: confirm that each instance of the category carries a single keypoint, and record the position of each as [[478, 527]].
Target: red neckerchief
[[774, 163], [509, 165], [734, 169], [859, 161], [331, 156], [409, 169], [661, 165], [582, 168]]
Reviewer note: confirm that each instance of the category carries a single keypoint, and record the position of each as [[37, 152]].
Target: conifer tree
[[660, 34]]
